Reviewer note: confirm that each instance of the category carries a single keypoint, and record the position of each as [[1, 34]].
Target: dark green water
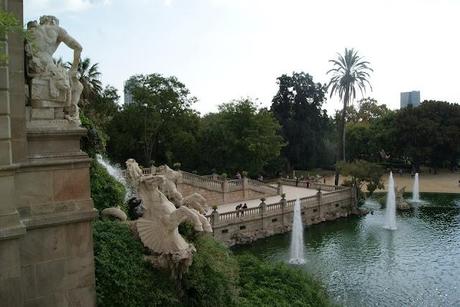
[[362, 264]]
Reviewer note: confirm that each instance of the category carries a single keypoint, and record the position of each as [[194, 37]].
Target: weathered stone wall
[[255, 223], [46, 247]]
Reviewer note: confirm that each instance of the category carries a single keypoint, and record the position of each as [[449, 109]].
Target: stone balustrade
[[218, 190], [309, 184], [245, 226]]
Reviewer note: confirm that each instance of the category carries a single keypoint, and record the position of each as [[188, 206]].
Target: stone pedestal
[[54, 203]]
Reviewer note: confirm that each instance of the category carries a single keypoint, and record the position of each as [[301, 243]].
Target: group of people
[[240, 209]]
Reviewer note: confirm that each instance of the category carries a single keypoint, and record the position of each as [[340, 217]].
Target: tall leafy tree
[[349, 74], [240, 137], [297, 106], [145, 129]]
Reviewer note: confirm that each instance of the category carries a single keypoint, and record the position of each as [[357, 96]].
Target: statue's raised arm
[[72, 44]]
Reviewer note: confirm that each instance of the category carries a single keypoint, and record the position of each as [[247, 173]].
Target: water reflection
[[361, 264]]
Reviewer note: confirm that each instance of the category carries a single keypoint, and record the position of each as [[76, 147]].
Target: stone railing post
[[245, 184], [319, 195], [262, 209], [224, 190], [279, 188], [214, 216], [283, 208]]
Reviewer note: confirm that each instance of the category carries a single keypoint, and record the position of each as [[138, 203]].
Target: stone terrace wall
[[266, 220]]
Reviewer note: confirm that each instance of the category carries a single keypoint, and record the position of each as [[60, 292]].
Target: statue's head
[[32, 24], [49, 20]]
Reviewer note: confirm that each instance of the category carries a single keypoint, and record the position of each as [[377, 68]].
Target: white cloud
[[168, 2]]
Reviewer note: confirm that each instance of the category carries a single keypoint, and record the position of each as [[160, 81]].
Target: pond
[[362, 264]]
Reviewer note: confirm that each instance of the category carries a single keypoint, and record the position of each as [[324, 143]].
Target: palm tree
[[350, 73], [89, 78]]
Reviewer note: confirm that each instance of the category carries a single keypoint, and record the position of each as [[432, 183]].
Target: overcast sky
[[227, 49]]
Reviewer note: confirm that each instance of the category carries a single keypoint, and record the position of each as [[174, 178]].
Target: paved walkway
[[291, 193]]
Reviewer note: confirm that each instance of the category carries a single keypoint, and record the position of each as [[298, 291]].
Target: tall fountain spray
[[415, 189], [297, 245], [390, 213]]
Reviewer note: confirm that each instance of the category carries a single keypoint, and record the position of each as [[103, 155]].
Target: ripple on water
[[362, 264]]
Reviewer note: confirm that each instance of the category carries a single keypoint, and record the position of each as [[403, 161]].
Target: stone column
[[11, 228]]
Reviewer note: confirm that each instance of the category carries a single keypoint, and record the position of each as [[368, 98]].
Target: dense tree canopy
[[240, 137], [145, 129], [410, 137], [428, 134], [304, 125]]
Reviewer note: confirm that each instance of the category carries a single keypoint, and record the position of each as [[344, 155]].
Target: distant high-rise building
[[410, 98], [128, 97]]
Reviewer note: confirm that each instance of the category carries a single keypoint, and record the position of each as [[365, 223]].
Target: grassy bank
[[216, 277]]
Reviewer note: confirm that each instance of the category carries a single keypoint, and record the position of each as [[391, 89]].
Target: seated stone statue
[[52, 86]]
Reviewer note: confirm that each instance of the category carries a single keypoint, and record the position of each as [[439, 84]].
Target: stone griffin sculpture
[[158, 226], [54, 91], [169, 188]]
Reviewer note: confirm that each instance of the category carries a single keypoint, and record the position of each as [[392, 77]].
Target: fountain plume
[[297, 244], [415, 189], [390, 211]]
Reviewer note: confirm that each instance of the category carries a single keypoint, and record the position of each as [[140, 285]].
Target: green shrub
[[267, 284], [123, 278], [212, 280], [105, 190]]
